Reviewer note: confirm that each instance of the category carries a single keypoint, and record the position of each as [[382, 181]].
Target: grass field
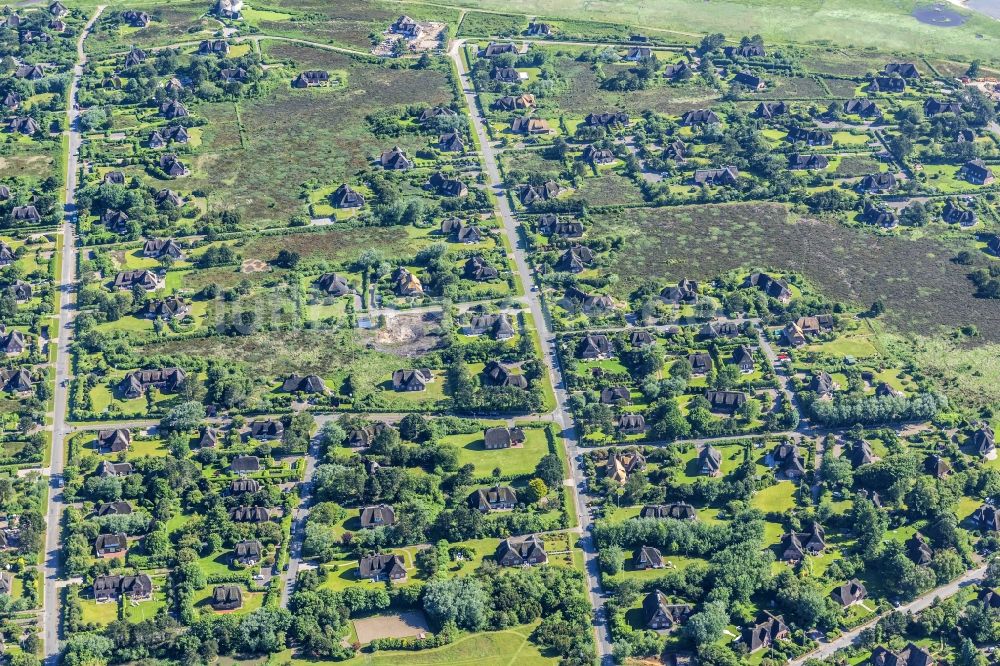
[[580, 92], [256, 158], [778, 498], [334, 355], [341, 245], [967, 373], [104, 613], [608, 189], [882, 24], [514, 461], [348, 24], [924, 291], [146, 610], [856, 346], [174, 22], [479, 24]]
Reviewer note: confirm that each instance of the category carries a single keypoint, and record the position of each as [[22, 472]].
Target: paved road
[[299, 516], [551, 358], [784, 380], [66, 307], [826, 650]]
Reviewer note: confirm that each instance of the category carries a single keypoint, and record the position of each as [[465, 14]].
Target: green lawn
[[773, 533], [891, 377], [343, 573], [93, 612], [732, 457], [251, 601], [944, 178], [856, 346], [966, 507], [103, 399], [145, 610], [147, 447], [642, 576], [778, 498], [848, 139], [252, 15], [514, 461], [216, 564]]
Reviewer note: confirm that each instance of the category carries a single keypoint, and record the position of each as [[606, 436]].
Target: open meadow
[[923, 289]]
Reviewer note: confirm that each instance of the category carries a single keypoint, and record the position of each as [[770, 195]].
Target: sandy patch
[[408, 334], [397, 625]]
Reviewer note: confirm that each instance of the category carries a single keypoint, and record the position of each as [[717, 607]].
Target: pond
[[939, 15]]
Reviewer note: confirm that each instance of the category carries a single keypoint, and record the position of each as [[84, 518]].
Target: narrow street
[[826, 650], [64, 332], [299, 516], [551, 358]]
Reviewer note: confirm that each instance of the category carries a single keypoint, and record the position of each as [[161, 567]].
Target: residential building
[[311, 79], [621, 464], [647, 557], [631, 424], [247, 553], [111, 545], [676, 510], [384, 566], [725, 402], [227, 597], [312, 384], [595, 346], [411, 380], [521, 551], [266, 430], [769, 629], [244, 465], [773, 287], [710, 460], [976, 172], [497, 498], [137, 382], [659, 614], [113, 440], [850, 593], [911, 655], [502, 438], [377, 515], [144, 279], [498, 326], [249, 514]]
